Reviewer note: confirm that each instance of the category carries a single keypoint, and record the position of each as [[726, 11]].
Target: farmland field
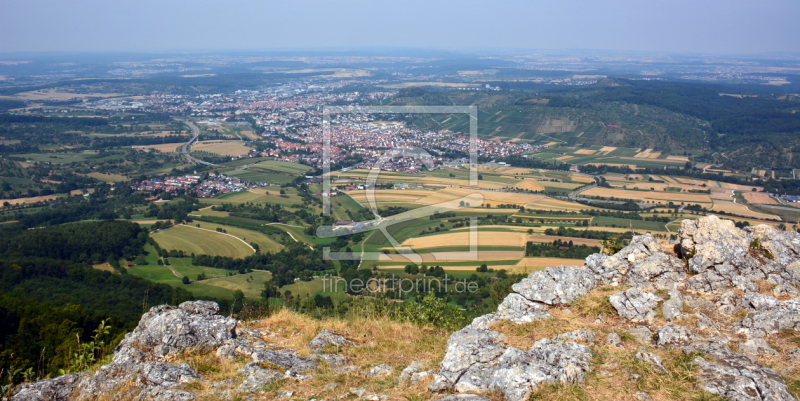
[[282, 167], [648, 195], [227, 148], [161, 147], [199, 241], [759, 198], [740, 210], [265, 243], [485, 239]]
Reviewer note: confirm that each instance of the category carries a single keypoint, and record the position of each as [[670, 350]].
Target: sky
[[675, 26]]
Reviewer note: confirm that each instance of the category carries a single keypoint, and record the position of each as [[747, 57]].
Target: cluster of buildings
[[212, 186]]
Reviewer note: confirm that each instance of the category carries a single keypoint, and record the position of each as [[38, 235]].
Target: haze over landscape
[[441, 200], [683, 26]]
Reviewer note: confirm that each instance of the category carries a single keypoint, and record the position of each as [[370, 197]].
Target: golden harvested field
[[485, 238], [562, 158], [722, 194], [390, 195], [162, 147], [533, 264], [552, 143], [741, 187], [556, 204], [678, 158], [759, 198], [458, 257], [607, 149], [227, 148], [585, 152], [489, 197], [648, 195], [614, 178], [249, 134], [530, 185], [23, 201], [740, 210], [580, 178], [504, 170], [462, 183], [644, 154]]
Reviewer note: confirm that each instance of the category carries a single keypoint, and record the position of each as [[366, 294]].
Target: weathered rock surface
[[739, 377], [327, 338], [556, 285], [733, 287], [635, 305], [724, 264]]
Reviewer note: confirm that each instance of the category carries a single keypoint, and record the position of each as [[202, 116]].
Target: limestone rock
[[380, 371], [405, 374], [470, 353], [519, 309], [740, 377], [556, 285], [673, 306], [634, 304], [518, 372], [672, 335], [642, 334], [614, 340], [651, 359], [328, 338], [58, 389], [166, 329]]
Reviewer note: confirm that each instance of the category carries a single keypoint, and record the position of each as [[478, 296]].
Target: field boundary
[[230, 235]]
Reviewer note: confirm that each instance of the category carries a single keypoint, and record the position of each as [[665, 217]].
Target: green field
[[256, 176], [199, 241], [254, 197], [62, 158], [282, 167], [265, 243], [636, 224]]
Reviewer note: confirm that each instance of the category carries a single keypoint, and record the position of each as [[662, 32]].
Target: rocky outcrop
[[139, 369], [715, 269], [713, 298]]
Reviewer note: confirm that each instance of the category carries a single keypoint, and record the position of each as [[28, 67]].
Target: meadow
[[192, 240]]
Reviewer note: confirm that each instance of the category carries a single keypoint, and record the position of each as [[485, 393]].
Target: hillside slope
[[716, 315]]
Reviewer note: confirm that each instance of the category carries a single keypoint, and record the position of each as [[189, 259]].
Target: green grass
[[62, 158], [198, 241], [283, 167], [251, 284], [265, 243], [255, 176]]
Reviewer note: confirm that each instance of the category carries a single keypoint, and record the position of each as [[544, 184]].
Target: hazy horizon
[[712, 27]]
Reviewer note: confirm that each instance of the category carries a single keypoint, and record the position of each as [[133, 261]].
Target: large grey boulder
[[635, 305], [518, 372], [556, 285], [166, 329], [772, 317], [738, 377], [471, 353], [58, 389], [643, 263], [328, 338], [519, 309]]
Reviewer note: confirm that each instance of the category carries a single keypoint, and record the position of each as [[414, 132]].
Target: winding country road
[[186, 148]]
